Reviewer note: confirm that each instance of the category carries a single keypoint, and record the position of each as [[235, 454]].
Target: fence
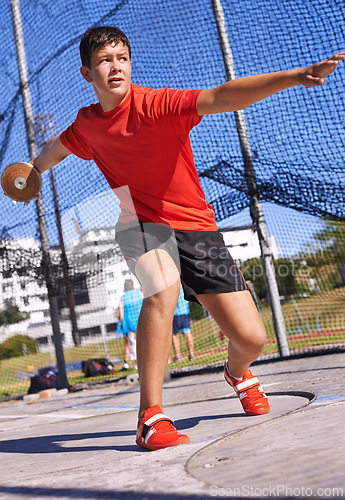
[[297, 142]]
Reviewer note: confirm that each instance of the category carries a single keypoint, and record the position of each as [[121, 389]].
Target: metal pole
[[256, 211], [104, 339], [30, 132], [65, 266]]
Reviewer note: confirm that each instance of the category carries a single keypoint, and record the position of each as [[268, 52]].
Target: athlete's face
[[110, 74]]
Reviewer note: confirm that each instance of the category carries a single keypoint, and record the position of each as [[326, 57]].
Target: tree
[[328, 263], [285, 271], [333, 239], [11, 315], [253, 271]]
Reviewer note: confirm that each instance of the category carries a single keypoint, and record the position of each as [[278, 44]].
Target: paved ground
[[81, 445]]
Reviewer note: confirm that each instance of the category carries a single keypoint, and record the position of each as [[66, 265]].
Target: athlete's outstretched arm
[[52, 153], [242, 92]]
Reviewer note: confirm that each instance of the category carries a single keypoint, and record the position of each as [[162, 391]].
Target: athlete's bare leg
[[238, 317], [160, 280]]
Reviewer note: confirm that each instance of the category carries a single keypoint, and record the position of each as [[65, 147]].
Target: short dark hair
[[129, 285], [96, 38]]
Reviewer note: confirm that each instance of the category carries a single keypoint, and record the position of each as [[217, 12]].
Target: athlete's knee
[[259, 339], [250, 340], [255, 340], [164, 302]]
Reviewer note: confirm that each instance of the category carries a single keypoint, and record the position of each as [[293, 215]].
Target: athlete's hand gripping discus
[[21, 181]]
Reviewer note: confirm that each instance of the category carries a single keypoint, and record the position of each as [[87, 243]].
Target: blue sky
[[297, 136]]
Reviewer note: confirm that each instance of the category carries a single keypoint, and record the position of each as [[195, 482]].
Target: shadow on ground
[[33, 492], [52, 443]]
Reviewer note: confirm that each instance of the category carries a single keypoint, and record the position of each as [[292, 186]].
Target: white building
[[19, 286], [243, 244], [99, 275]]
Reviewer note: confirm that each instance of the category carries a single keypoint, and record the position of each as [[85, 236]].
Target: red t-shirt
[[144, 144]]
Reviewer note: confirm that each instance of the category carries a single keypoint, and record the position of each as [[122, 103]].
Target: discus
[[21, 181]]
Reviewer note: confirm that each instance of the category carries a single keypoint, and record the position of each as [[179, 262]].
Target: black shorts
[[202, 258]]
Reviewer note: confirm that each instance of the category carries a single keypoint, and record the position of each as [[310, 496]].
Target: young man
[[139, 138]]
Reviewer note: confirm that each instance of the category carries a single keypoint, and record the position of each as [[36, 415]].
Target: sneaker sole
[[181, 440], [263, 411]]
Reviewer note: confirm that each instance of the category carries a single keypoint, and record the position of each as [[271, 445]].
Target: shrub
[[196, 311], [17, 346]]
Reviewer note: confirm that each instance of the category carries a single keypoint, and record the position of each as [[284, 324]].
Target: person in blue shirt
[[181, 322], [128, 314]]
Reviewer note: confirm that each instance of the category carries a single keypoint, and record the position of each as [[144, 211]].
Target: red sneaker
[[250, 392], [156, 431]]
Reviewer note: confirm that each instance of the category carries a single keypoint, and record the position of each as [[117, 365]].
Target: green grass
[[326, 307], [207, 343], [10, 367]]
